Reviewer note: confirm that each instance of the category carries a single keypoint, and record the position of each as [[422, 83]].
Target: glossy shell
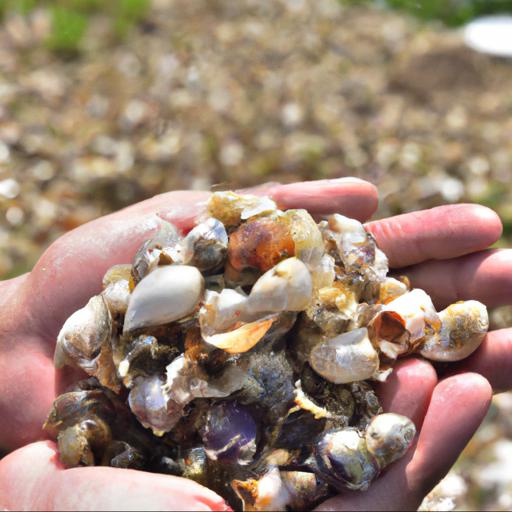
[[347, 358], [389, 436], [167, 294], [463, 328]]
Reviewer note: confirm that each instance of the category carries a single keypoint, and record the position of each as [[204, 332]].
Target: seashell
[[167, 294], [160, 405], [343, 460], [78, 443], [304, 488], [151, 406], [390, 289], [222, 310], [117, 296], [402, 323], [307, 238], [204, 247], [229, 434], [144, 357], [388, 437], [242, 338], [148, 256], [260, 244], [323, 274], [355, 247], [83, 334], [117, 273], [463, 328], [266, 493], [84, 342], [286, 287], [346, 358], [231, 208]]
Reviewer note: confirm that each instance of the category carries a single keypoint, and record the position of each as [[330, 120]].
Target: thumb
[[32, 478]]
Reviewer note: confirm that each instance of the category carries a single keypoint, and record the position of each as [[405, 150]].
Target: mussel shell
[[344, 461], [229, 434]]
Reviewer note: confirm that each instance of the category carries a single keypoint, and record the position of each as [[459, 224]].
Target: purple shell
[[229, 434]]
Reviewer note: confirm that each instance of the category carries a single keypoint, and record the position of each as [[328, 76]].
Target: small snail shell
[[463, 327], [349, 357], [388, 437]]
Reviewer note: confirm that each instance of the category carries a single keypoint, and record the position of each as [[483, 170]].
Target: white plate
[[491, 34]]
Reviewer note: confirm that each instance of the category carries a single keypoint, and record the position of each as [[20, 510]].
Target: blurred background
[[103, 104]]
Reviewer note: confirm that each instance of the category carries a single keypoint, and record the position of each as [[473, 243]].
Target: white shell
[[117, 296], [243, 338], [222, 310], [286, 287], [463, 328], [267, 493], [418, 315], [83, 334], [165, 295], [490, 34], [347, 358], [389, 436]]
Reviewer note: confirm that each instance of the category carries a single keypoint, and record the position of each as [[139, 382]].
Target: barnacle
[[241, 355]]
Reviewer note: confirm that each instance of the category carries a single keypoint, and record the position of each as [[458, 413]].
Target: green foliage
[[70, 18], [450, 12], [68, 27]]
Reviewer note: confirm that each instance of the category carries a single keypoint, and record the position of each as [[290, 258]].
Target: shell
[[83, 334], [150, 405], [205, 246], [78, 443], [117, 273], [391, 289], [463, 328], [167, 294], [231, 208], [149, 254], [307, 238], [242, 338], [402, 323], [346, 358], [222, 310], [286, 287], [388, 437], [229, 434], [266, 493], [117, 296], [343, 460], [84, 342], [260, 244]]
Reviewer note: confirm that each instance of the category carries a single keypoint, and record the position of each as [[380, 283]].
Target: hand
[[34, 307]]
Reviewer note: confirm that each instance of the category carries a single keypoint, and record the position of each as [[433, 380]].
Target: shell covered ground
[[224, 94]]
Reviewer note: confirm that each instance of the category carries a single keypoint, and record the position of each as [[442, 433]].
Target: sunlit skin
[[442, 250]]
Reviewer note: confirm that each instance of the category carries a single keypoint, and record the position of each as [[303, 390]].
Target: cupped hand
[[443, 250]]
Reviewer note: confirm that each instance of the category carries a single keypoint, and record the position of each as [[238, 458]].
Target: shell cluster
[[242, 355]]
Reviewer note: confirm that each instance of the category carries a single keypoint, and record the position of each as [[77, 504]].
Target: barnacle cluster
[[241, 355]]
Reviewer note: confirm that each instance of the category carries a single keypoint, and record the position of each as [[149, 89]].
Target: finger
[[457, 407], [71, 270], [436, 234], [485, 276], [32, 478], [408, 389], [493, 360], [349, 196]]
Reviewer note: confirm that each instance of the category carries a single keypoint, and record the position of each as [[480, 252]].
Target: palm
[[431, 244]]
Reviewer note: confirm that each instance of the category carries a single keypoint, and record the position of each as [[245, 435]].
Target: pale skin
[[443, 250]]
